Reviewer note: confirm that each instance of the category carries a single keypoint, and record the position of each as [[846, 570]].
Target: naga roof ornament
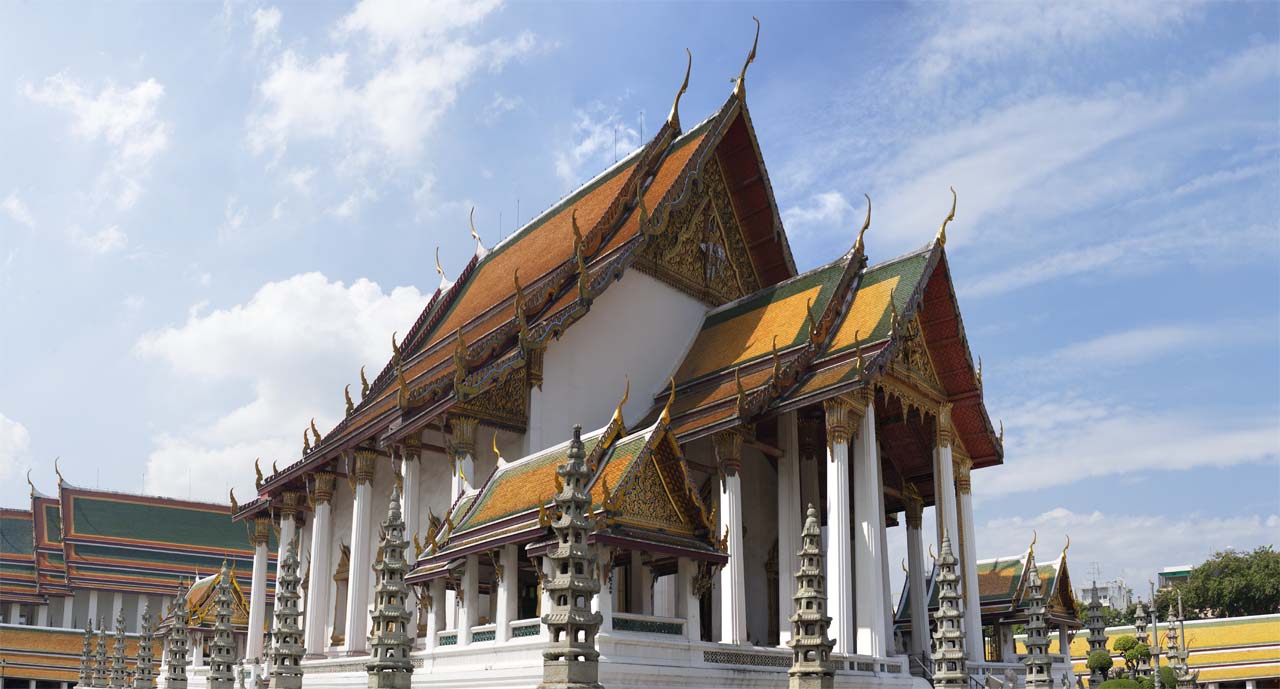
[[858, 246], [58, 471], [674, 117], [481, 252], [231, 496], [346, 394], [445, 283], [671, 398], [364, 384], [740, 90], [315, 433], [942, 231], [29, 483], [626, 394], [306, 441], [257, 471]]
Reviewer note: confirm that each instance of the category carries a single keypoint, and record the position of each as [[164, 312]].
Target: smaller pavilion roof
[[17, 558]]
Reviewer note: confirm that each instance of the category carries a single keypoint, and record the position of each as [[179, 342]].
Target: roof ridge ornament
[[858, 246], [29, 483], [346, 394], [481, 252], [57, 471], [364, 384], [1068, 545], [257, 471], [306, 441], [671, 398], [445, 283], [942, 231], [315, 433], [740, 90], [626, 394], [1031, 549], [674, 118], [231, 496]]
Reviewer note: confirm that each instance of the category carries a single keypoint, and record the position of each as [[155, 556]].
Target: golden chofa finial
[[741, 89], [858, 246], [395, 347], [671, 398], [496, 452], [257, 473], [306, 442], [1068, 545], [472, 220], [364, 384], [942, 231], [1002, 432], [1031, 549], [315, 434], [346, 394], [29, 483], [56, 470], [626, 394], [235, 506], [674, 117], [978, 373]]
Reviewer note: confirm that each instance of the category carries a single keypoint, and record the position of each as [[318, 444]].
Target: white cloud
[[979, 34], [825, 211], [15, 441], [288, 350], [1056, 441], [104, 241], [134, 302], [125, 118], [17, 210], [300, 179], [266, 26], [499, 106], [421, 59], [234, 214], [599, 139]]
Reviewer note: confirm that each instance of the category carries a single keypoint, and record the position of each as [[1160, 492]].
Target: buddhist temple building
[[89, 556], [719, 391]]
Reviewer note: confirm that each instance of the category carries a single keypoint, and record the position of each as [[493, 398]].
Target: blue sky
[[212, 214]]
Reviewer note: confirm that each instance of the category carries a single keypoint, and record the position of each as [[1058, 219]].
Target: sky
[[211, 215]]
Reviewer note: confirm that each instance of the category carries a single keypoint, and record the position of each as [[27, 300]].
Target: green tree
[[1099, 661], [1133, 652], [1232, 583]]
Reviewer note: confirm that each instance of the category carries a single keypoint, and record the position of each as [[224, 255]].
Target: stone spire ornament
[[101, 669], [1178, 655], [176, 642], [390, 643], [570, 660], [811, 666], [1097, 634], [949, 669], [286, 638], [117, 680], [222, 650], [145, 669], [1037, 659], [86, 657], [1143, 668]]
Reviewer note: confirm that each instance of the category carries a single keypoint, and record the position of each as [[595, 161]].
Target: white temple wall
[[433, 492], [760, 532], [641, 329], [340, 518]]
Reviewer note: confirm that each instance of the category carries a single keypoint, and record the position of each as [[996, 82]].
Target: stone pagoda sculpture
[[1097, 634], [1037, 660], [286, 638], [811, 666], [222, 650], [145, 670], [118, 680], [390, 642], [570, 660], [86, 657], [176, 642], [1178, 655], [949, 670], [1143, 668], [101, 669]]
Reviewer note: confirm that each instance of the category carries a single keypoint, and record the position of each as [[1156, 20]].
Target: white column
[[92, 613], [470, 598], [411, 471], [916, 574], [436, 612], [358, 573], [548, 571], [143, 601], [969, 560], [641, 592], [687, 599], [68, 612], [789, 509], [42, 615], [839, 560], [463, 438], [15, 612], [117, 604], [320, 572], [733, 583], [603, 601], [258, 591], [508, 591], [868, 550]]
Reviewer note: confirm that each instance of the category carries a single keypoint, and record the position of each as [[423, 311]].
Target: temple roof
[[471, 335], [51, 565], [1003, 589], [202, 603], [17, 557], [639, 488], [42, 653], [125, 542]]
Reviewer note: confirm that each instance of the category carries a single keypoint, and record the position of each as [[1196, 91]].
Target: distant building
[[1169, 576], [1114, 594]]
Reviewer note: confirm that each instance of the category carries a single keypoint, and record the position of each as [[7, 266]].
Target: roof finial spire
[[741, 89], [57, 471], [445, 283], [626, 394], [1031, 549], [942, 231], [666, 410], [858, 246], [29, 483], [481, 252], [674, 117]]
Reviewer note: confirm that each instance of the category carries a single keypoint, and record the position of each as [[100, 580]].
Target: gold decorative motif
[[365, 466], [674, 117], [290, 504], [462, 435], [914, 506], [741, 89], [364, 384], [963, 466], [777, 363], [580, 255], [648, 503], [742, 393], [346, 394], [1067, 545], [323, 491], [728, 448], [460, 388], [235, 506], [306, 442], [261, 531], [1031, 549], [665, 417], [315, 434], [439, 269], [858, 246], [837, 411], [626, 393], [942, 231], [257, 471], [505, 405], [402, 386], [943, 417]]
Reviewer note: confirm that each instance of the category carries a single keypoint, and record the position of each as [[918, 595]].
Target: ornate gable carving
[[505, 405]]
